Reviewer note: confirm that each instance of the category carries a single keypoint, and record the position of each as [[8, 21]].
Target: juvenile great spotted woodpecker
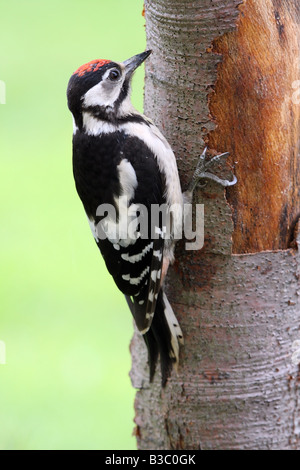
[[121, 160]]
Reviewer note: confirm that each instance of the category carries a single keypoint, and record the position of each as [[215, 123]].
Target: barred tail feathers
[[163, 339]]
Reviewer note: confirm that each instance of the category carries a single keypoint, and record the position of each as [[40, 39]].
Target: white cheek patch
[[105, 93]]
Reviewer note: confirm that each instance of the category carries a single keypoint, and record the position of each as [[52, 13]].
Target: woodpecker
[[121, 160]]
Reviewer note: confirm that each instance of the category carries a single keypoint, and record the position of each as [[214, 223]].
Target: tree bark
[[223, 74]]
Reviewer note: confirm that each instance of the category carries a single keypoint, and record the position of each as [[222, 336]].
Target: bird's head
[[102, 88]]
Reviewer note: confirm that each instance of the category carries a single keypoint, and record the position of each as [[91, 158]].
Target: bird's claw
[[202, 173]]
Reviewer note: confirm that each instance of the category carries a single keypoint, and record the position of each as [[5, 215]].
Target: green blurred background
[[66, 328]]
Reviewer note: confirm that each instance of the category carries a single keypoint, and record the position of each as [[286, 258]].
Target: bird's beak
[[134, 62]]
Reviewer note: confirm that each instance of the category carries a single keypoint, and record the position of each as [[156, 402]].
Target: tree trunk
[[224, 73]]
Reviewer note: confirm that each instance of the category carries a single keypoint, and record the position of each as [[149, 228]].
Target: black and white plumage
[[120, 158]]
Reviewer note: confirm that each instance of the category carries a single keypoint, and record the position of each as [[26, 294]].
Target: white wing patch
[[116, 230], [128, 178]]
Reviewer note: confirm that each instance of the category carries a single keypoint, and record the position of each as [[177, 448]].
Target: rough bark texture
[[237, 387]]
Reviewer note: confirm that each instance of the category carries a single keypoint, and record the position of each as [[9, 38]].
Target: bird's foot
[[202, 172]]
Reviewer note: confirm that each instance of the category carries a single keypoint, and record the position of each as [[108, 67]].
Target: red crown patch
[[91, 66]]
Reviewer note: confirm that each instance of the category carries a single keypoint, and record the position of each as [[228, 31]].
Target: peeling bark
[[237, 386]]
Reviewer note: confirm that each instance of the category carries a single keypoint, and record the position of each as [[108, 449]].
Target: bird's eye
[[114, 75]]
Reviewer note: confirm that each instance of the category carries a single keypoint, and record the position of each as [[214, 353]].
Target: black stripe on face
[[109, 115]]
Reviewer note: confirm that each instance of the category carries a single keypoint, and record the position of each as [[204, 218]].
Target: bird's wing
[[134, 257]]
